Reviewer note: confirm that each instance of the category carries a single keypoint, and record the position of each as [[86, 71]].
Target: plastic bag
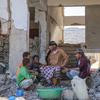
[[80, 88]]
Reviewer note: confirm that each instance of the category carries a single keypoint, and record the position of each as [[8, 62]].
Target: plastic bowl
[[49, 93]]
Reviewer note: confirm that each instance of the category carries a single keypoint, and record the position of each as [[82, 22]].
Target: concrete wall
[[14, 18], [56, 23], [41, 18], [19, 30], [18, 44], [39, 4], [4, 16], [93, 32], [19, 36], [4, 9], [20, 13], [72, 2], [68, 20], [93, 27]]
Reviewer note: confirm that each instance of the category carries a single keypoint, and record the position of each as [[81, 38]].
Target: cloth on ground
[[26, 83], [48, 71]]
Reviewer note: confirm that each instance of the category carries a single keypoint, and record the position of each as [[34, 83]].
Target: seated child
[[25, 55], [25, 78], [35, 66]]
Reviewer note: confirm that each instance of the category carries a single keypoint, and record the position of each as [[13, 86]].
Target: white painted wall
[[19, 10], [17, 45], [19, 36], [4, 9]]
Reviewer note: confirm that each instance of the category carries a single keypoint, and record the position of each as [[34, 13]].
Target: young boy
[[35, 66], [25, 55], [24, 78]]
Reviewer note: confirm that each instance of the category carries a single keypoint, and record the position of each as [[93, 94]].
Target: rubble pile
[[8, 88], [94, 91]]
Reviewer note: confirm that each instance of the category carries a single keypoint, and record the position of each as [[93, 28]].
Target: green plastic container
[[50, 93]]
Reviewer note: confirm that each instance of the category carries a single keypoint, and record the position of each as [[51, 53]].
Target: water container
[[12, 98], [80, 88], [19, 93]]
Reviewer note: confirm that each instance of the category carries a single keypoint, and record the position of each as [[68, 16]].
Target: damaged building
[[29, 25]]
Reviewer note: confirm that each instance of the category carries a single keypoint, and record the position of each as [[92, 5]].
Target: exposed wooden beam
[[72, 2], [76, 19]]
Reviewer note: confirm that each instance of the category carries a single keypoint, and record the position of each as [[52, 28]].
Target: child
[[24, 78], [35, 66], [25, 55]]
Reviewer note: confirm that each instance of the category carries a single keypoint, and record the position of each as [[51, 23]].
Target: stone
[[98, 89], [97, 95], [68, 94], [91, 91]]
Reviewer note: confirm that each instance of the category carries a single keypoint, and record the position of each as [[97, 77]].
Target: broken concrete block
[[68, 94], [91, 91]]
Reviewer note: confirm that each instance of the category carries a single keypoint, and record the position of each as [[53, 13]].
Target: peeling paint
[[4, 9], [4, 26], [19, 9]]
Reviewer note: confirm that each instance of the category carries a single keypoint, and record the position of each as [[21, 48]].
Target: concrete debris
[[8, 88], [94, 91], [2, 68], [68, 94]]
